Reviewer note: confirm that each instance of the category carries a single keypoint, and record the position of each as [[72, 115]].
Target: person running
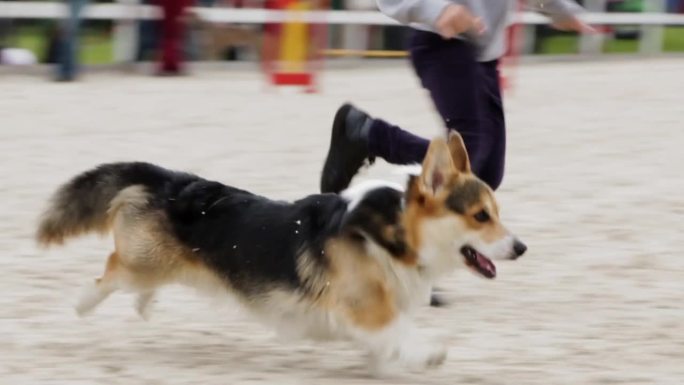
[[454, 48]]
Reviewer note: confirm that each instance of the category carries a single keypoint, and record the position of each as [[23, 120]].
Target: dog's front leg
[[399, 341]]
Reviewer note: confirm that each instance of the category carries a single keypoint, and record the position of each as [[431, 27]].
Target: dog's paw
[[422, 355], [378, 367], [437, 359], [83, 310]]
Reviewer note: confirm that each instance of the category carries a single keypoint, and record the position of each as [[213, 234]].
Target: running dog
[[327, 266]]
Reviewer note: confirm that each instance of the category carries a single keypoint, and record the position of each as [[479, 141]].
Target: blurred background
[[122, 32]]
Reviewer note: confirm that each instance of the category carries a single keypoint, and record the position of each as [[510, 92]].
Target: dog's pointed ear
[[438, 166], [458, 151]]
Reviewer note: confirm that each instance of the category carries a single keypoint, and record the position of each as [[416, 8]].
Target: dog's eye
[[481, 216]]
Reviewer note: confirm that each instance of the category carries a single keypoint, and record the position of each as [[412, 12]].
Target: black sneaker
[[348, 148]]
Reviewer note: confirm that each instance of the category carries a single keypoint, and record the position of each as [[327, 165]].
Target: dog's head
[[451, 217]]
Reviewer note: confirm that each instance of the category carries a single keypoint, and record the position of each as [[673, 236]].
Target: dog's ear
[[438, 166], [458, 151]]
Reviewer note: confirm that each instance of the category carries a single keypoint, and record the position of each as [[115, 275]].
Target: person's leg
[[493, 170], [68, 46], [449, 70], [357, 139], [148, 36], [395, 145], [172, 36]]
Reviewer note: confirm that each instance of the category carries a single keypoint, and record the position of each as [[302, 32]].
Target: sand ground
[[594, 186]]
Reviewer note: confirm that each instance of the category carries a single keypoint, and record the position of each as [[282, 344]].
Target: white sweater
[[423, 14]]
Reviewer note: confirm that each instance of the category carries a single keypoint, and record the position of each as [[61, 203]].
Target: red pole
[[172, 34]]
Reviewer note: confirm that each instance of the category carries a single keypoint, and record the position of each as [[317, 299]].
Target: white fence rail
[[123, 13], [23, 10]]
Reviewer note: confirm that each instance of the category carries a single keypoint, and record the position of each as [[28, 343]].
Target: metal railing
[[126, 11]]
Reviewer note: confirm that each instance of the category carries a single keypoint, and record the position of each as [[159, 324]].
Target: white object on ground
[[17, 57]]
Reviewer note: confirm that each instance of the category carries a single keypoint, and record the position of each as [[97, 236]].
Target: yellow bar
[[294, 41], [358, 52]]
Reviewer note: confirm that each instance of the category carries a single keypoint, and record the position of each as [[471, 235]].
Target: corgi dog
[[351, 266]]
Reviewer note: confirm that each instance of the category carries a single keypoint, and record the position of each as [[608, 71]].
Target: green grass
[[98, 49], [29, 38], [673, 41], [620, 46], [559, 45], [96, 45]]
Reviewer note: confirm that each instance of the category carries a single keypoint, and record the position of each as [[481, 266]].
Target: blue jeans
[[68, 46], [148, 37]]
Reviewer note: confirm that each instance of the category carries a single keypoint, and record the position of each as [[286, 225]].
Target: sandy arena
[[594, 186]]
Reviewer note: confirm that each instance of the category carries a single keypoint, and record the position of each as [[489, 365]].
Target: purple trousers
[[466, 94]]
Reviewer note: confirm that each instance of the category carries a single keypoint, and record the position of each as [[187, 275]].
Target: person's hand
[[456, 19], [573, 24]]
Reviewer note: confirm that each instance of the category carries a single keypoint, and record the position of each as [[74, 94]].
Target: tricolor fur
[[326, 266]]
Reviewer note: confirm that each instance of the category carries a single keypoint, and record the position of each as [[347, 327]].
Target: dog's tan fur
[[364, 293]]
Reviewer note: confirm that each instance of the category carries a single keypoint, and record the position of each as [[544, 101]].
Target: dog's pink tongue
[[486, 265]]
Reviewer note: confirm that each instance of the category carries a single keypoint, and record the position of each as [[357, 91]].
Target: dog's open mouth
[[478, 262]]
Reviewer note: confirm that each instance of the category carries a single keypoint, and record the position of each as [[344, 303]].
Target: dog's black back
[[247, 239], [250, 238]]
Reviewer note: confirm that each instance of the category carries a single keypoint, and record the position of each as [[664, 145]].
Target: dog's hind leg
[[98, 291]]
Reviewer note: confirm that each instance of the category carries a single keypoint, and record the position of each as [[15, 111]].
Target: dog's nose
[[519, 248]]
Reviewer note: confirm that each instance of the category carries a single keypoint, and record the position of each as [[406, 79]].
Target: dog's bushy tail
[[82, 204]]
